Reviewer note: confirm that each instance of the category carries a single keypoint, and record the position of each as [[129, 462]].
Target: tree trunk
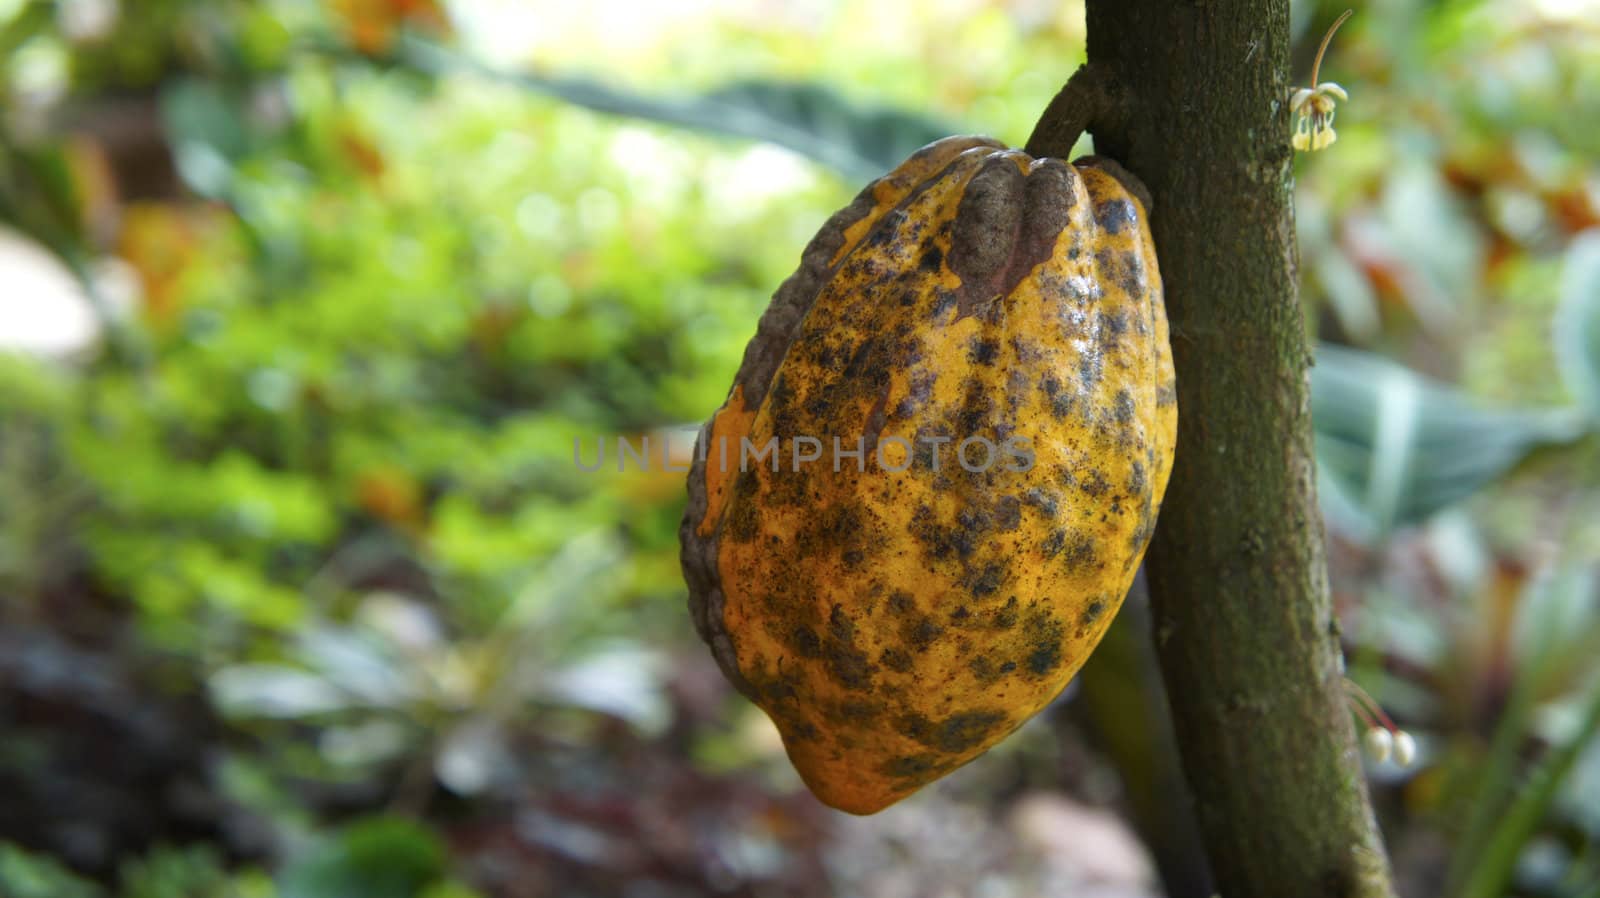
[[1192, 98]]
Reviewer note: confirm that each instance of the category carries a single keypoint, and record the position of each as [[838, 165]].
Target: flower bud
[[1379, 743], [1405, 748]]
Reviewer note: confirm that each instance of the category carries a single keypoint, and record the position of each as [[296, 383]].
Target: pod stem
[[1090, 100]]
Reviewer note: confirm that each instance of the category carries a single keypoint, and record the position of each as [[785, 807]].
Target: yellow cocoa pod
[[939, 464]]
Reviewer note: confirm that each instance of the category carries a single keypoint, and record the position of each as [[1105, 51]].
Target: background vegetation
[[303, 305]]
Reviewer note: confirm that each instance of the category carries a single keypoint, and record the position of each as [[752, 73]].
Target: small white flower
[[1313, 107]]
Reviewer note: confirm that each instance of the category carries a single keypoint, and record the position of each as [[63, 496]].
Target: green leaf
[[1394, 447], [209, 132], [39, 198], [381, 857], [1577, 335], [1495, 777], [1552, 624], [31, 20], [193, 872], [26, 875]]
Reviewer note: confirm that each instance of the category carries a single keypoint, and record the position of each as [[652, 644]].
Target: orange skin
[[896, 624]]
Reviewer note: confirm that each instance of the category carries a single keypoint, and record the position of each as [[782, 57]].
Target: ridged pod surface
[[899, 612]]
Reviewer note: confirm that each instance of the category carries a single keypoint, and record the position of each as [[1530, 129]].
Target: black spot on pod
[[805, 642], [1046, 502], [1006, 616], [1094, 483], [883, 234], [1052, 544], [1008, 513], [1092, 611], [1091, 366], [1079, 552], [983, 669], [1115, 215], [985, 582], [915, 767], [853, 713], [896, 660], [1122, 408], [1166, 394], [1131, 274], [920, 632], [984, 352], [1043, 642], [1116, 324], [954, 734]]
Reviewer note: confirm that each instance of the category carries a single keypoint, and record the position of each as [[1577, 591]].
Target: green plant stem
[[1495, 778], [1492, 874], [1502, 817]]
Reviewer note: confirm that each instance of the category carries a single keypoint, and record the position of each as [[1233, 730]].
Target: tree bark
[[1192, 98]]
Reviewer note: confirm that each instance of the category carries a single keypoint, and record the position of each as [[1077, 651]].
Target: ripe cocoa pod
[[900, 611]]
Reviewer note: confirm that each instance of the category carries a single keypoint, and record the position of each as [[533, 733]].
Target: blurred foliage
[[165, 872], [369, 273], [1393, 448], [810, 119], [377, 858]]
